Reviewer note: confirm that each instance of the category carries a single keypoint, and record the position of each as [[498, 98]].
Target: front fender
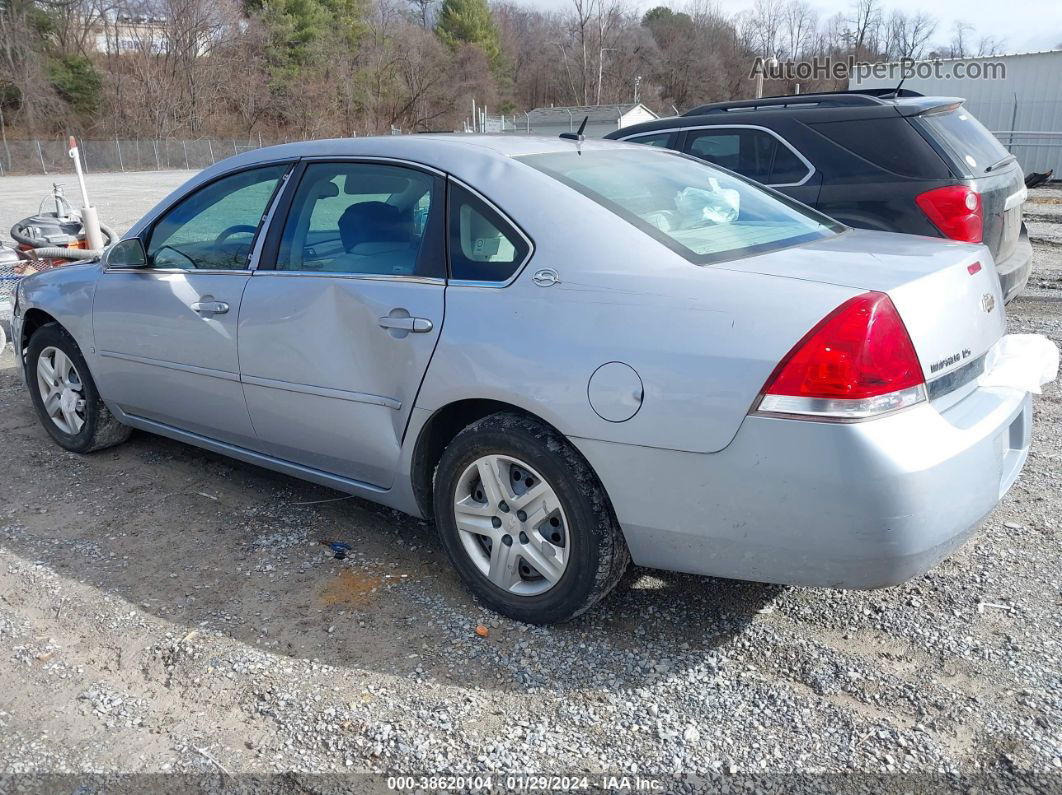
[[64, 294]]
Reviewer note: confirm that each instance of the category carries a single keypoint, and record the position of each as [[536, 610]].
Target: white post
[[89, 219]]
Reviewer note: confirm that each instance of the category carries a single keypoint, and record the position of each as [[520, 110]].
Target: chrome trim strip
[[1016, 199], [170, 271], [949, 382], [789, 146], [519, 268], [184, 368], [321, 391], [379, 277]]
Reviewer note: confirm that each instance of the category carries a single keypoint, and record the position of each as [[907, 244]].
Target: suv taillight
[[955, 210], [858, 362]]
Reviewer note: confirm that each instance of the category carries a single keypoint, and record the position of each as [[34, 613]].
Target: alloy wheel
[[61, 390]]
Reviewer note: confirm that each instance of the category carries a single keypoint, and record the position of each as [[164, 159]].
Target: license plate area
[[1011, 231]]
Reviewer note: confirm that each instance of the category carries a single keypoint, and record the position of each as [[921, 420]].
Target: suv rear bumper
[[1014, 270]]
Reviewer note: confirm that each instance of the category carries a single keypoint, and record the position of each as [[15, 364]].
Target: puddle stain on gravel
[[350, 588]]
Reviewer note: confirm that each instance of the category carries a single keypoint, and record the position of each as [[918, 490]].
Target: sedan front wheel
[[65, 396], [525, 521]]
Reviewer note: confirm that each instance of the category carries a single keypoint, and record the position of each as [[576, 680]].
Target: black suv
[[882, 159]]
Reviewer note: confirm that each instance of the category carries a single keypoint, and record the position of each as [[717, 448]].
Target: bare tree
[[960, 39], [866, 27], [799, 23], [909, 35]]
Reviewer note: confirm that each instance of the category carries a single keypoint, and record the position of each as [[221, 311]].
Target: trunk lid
[[952, 309], [1003, 196]]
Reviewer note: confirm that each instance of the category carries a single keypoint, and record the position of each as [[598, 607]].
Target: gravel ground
[[166, 610]]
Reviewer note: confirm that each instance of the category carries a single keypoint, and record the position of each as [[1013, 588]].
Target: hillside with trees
[[317, 68]]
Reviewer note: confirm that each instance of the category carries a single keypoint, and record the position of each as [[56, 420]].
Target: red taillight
[[956, 211], [857, 362]]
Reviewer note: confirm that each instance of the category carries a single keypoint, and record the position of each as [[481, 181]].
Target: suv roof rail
[[833, 99]]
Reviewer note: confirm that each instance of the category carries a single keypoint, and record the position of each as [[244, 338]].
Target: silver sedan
[[570, 355]]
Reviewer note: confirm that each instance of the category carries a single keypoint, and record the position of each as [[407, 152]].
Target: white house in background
[[1023, 110], [122, 33], [601, 119]]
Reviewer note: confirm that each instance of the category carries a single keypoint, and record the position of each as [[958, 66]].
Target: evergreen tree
[[469, 22]]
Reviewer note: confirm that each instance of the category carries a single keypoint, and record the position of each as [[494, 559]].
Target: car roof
[[868, 103], [434, 149]]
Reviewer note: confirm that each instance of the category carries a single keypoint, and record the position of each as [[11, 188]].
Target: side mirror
[[127, 254]]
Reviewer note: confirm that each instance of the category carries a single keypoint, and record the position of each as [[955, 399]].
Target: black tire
[[598, 555], [100, 429]]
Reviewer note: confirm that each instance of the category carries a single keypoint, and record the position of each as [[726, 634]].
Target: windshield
[[701, 212], [967, 139]]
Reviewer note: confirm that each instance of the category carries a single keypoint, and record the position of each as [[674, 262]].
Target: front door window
[[215, 227]]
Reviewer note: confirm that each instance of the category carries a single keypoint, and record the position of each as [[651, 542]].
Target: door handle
[[418, 325], [210, 307]]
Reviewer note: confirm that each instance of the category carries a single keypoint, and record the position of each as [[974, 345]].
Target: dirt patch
[[350, 588]]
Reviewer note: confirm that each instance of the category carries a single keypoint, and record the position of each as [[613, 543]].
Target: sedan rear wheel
[[525, 521]]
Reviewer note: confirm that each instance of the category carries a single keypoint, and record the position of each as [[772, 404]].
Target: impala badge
[[988, 303]]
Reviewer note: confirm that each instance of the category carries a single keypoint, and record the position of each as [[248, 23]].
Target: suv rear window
[[698, 211], [974, 148]]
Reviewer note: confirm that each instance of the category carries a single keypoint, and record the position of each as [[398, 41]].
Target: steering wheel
[[234, 230]]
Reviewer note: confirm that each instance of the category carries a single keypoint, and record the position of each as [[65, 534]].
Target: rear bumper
[[1014, 270], [858, 505]]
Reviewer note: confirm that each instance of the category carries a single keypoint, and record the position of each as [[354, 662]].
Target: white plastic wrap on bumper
[[1021, 361]]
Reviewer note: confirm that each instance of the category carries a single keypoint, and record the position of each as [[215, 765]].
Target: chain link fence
[[48, 156]]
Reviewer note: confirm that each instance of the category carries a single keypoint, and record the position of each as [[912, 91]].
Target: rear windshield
[[974, 148], [701, 212]]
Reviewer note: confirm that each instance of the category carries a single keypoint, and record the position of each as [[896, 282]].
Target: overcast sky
[[1024, 26]]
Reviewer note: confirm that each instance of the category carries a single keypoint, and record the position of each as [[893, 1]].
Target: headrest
[[371, 221], [326, 190]]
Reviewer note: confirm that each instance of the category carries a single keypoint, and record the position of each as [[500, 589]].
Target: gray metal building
[[1024, 109]]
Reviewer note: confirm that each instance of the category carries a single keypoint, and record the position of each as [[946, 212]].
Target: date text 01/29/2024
[[525, 783]]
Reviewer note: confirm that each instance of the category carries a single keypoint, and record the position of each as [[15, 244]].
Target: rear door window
[[362, 218], [974, 148], [755, 154]]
